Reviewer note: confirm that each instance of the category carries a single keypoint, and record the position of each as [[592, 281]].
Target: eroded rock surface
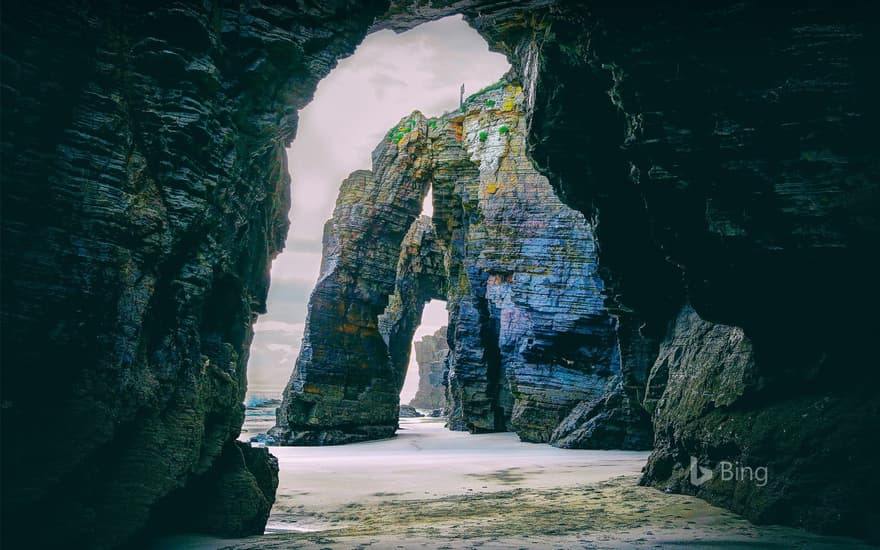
[[725, 153], [144, 193], [722, 153], [345, 387], [431, 353], [530, 337], [530, 340]]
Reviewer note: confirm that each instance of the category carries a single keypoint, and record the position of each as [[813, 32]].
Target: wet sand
[[431, 488]]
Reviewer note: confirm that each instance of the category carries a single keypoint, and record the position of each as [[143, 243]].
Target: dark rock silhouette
[[724, 156]]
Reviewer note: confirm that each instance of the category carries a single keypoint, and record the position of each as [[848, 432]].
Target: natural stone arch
[[144, 191], [421, 277], [530, 340], [344, 387]]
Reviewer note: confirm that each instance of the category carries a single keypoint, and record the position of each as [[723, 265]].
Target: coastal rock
[[233, 499], [144, 194], [407, 411], [528, 288], [346, 383], [721, 151], [718, 406], [530, 339], [723, 156], [431, 353]]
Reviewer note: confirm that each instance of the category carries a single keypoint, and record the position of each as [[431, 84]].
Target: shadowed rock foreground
[[722, 158]]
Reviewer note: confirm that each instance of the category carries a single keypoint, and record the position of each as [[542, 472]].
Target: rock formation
[[346, 384], [722, 153], [431, 353], [408, 411], [144, 193], [724, 157], [531, 342], [530, 339]]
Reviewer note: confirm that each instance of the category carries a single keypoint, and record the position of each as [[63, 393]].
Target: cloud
[[278, 326]]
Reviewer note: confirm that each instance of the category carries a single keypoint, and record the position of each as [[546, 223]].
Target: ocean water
[[259, 413]]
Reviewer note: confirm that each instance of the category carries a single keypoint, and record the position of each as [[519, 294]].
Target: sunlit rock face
[[431, 353], [529, 340], [344, 388]]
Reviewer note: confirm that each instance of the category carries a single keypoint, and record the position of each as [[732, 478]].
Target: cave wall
[[723, 154], [144, 193]]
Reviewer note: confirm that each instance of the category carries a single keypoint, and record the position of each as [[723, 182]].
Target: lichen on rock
[[529, 336]]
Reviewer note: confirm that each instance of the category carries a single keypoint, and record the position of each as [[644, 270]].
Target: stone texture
[[431, 353], [724, 153], [233, 499], [421, 277], [717, 405], [144, 194], [530, 339], [346, 383], [526, 286]]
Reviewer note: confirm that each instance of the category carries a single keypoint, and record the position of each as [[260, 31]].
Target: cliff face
[[431, 353], [345, 386], [530, 340], [723, 155], [144, 193], [722, 152]]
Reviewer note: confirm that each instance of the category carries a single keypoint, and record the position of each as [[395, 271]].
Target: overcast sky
[[389, 76]]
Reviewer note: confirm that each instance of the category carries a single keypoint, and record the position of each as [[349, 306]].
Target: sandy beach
[[432, 488]]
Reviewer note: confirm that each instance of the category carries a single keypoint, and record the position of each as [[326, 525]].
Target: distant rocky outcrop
[[431, 353], [408, 411]]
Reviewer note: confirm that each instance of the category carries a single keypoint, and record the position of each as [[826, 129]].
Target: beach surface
[[432, 488]]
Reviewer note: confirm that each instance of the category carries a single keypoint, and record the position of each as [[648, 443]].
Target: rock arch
[[144, 180], [530, 340]]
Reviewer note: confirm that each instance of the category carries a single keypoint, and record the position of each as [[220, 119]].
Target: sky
[[389, 76]]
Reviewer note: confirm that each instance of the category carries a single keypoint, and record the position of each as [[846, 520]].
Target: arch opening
[[388, 76]]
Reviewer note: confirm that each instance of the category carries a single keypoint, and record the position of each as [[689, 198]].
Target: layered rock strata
[[530, 340], [144, 193], [431, 353], [346, 383], [724, 151]]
